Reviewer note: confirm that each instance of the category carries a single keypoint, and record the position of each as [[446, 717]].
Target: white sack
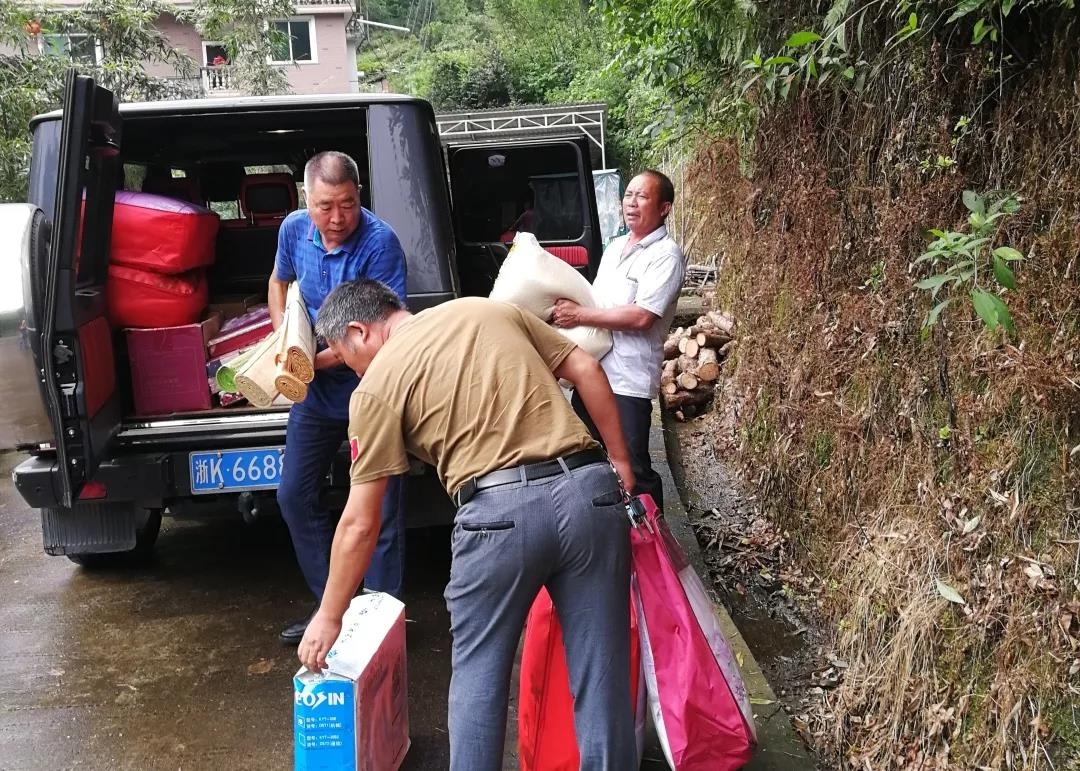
[[534, 279]]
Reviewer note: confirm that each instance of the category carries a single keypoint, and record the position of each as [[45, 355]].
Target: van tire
[[141, 554]]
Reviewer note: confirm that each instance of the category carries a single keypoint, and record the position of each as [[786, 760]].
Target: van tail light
[[93, 491]]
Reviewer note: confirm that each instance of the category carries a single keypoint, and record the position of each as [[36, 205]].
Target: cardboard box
[[168, 367], [242, 332], [355, 716], [232, 306]]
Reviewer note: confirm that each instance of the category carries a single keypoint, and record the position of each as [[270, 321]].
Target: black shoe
[[294, 632]]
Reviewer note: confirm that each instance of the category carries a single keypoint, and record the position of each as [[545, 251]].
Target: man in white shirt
[[636, 287]]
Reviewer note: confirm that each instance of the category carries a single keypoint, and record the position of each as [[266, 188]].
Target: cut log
[[298, 353], [692, 347], [708, 368], [725, 349], [722, 321], [255, 380], [713, 339], [667, 377], [683, 399], [685, 364], [682, 344], [687, 381], [671, 347]]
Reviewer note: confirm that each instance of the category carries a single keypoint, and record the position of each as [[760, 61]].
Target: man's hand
[[276, 293], [626, 474], [568, 314], [319, 638], [325, 359]]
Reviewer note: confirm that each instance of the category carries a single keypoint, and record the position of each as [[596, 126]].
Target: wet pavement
[[177, 665]]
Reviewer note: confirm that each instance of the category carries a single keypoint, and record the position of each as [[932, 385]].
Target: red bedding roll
[[142, 299], [160, 234]]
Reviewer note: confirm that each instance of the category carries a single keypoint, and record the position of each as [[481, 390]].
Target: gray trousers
[[569, 533]]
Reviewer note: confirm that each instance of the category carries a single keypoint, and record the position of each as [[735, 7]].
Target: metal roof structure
[[543, 122]]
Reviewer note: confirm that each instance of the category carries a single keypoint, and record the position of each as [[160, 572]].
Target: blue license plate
[[234, 470]]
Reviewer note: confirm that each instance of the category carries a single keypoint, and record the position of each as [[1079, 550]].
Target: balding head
[[331, 167]]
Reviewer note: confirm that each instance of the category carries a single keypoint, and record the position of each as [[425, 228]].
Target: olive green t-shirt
[[466, 386]]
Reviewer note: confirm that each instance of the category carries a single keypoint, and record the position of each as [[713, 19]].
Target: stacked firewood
[[692, 359]]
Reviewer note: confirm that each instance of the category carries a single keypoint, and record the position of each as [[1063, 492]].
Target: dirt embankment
[[917, 486]]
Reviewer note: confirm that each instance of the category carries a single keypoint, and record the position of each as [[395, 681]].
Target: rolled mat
[[255, 380], [226, 374], [290, 387]]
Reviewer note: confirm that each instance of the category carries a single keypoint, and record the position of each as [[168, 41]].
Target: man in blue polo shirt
[[333, 241]]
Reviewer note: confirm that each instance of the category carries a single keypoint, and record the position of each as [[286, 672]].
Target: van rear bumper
[[155, 480], [149, 480]]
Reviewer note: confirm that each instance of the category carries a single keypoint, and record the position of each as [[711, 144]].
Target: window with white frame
[[77, 46], [295, 40]]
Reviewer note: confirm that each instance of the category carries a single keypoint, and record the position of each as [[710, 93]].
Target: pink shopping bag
[[697, 697]]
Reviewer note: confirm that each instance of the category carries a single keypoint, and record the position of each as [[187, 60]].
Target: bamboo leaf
[[1003, 316], [984, 305], [935, 312], [979, 32], [802, 38], [948, 592], [1003, 273], [1008, 254], [974, 202]]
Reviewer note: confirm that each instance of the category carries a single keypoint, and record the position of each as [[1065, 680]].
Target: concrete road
[[177, 666]]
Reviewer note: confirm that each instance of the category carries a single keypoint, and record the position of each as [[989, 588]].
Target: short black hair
[[364, 300], [667, 189]]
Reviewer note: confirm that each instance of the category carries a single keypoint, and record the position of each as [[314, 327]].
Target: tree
[[125, 34], [250, 40], [129, 38]]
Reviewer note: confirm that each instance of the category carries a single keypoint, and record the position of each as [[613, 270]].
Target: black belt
[[527, 473]]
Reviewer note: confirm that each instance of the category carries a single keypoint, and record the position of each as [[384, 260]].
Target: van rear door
[[542, 186], [77, 348]]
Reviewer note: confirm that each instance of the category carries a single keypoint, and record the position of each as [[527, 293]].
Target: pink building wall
[[328, 74]]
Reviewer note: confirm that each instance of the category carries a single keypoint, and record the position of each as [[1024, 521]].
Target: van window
[[536, 188], [45, 166]]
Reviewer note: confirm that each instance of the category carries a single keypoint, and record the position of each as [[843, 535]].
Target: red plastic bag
[[546, 738], [697, 697], [140, 299]]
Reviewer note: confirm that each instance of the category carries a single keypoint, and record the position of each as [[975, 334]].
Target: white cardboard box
[[355, 716]]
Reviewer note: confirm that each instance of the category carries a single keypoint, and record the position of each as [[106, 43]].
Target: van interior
[[498, 190], [248, 168]]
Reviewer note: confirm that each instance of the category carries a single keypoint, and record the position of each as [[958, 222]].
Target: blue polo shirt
[[373, 251]]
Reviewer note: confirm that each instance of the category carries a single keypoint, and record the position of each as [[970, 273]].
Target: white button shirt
[[650, 276]]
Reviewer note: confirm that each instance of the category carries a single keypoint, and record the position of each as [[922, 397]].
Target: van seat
[[183, 188], [265, 199], [576, 256]]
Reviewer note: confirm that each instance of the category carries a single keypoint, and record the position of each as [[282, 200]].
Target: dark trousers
[[311, 441], [635, 414], [570, 533]]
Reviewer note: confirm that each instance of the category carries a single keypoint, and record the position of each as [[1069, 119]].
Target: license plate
[[235, 470]]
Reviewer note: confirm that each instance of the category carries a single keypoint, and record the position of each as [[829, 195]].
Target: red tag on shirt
[[354, 448]]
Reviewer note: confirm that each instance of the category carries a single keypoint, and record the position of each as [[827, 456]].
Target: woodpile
[[692, 359]]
